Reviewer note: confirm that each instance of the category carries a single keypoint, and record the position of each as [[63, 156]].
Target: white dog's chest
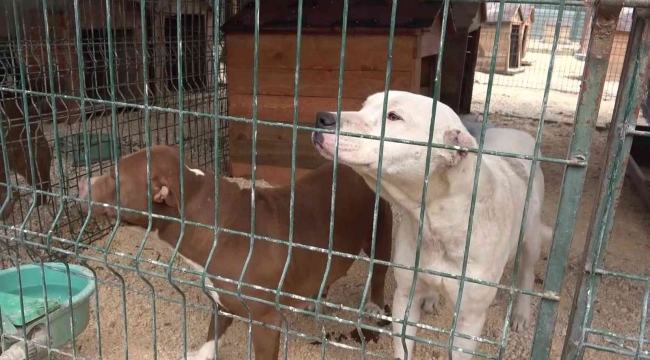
[[443, 247], [433, 255]]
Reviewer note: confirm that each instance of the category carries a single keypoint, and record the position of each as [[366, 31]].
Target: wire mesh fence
[[522, 63], [57, 58], [97, 90], [528, 38]]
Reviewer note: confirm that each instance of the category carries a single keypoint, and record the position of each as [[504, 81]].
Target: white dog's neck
[[442, 186]]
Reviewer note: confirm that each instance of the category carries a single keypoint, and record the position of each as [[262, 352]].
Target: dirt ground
[[521, 95], [618, 305]]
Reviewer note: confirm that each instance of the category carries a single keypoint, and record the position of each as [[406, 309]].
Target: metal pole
[[632, 86], [584, 41]]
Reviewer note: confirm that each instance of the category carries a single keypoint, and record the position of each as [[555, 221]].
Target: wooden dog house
[[528, 12], [515, 31], [418, 26]]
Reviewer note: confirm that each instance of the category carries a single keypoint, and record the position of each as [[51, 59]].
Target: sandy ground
[[618, 305]]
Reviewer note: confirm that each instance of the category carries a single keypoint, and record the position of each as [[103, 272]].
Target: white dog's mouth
[[347, 154]]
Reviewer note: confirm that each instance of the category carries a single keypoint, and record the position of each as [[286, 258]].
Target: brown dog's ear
[[163, 192], [459, 138]]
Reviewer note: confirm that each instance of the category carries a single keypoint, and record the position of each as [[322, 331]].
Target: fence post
[[628, 103], [583, 127], [584, 40]]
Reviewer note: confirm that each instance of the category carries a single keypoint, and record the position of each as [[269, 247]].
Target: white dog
[[497, 217]]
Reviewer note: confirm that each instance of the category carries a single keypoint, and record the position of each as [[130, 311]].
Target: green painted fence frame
[[628, 103]]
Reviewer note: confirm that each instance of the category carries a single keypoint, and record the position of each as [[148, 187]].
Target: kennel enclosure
[[100, 83], [193, 107]]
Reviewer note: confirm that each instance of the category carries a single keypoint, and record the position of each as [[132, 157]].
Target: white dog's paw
[[372, 308], [520, 319], [312, 308], [206, 352], [430, 304]]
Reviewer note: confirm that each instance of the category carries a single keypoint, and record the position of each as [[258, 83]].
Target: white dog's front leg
[[469, 323], [400, 302], [522, 310], [471, 318]]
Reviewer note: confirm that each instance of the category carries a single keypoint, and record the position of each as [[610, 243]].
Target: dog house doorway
[[524, 41], [514, 47], [193, 60], [428, 74]]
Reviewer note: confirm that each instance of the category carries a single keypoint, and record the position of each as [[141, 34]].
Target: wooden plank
[[430, 43], [243, 131], [276, 153], [416, 67], [315, 83], [453, 69], [470, 64], [320, 51], [280, 108]]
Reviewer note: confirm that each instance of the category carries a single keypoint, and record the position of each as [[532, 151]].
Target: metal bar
[[425, 185], [633, 84], [216, 21], [594, 75], [389, 68], [339, 96], [545, 295], [292, 199], [477, 170], [147, 142], [531, 178], [256, 51], [627, 3], [181, 138], [644, 318]]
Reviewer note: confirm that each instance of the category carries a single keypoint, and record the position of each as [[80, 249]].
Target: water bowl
[[68, 298]]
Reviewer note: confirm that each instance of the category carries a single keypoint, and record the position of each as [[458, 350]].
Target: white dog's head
[[408, 117]]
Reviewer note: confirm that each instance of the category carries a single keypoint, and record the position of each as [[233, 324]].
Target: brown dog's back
[[353, 225]]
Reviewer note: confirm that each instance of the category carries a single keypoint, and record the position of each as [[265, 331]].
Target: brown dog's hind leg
[[266, 341], [8, 210], [382, 252], [223, 324]]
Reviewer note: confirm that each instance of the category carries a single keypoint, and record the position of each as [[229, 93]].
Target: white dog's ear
[[460, 138]]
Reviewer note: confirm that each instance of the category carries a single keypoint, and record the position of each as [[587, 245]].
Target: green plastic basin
[[55, 278]]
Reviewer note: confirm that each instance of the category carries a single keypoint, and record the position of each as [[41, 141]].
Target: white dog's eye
[[393, 117]]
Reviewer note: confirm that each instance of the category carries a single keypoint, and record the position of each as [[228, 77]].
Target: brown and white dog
[[352, 233]]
